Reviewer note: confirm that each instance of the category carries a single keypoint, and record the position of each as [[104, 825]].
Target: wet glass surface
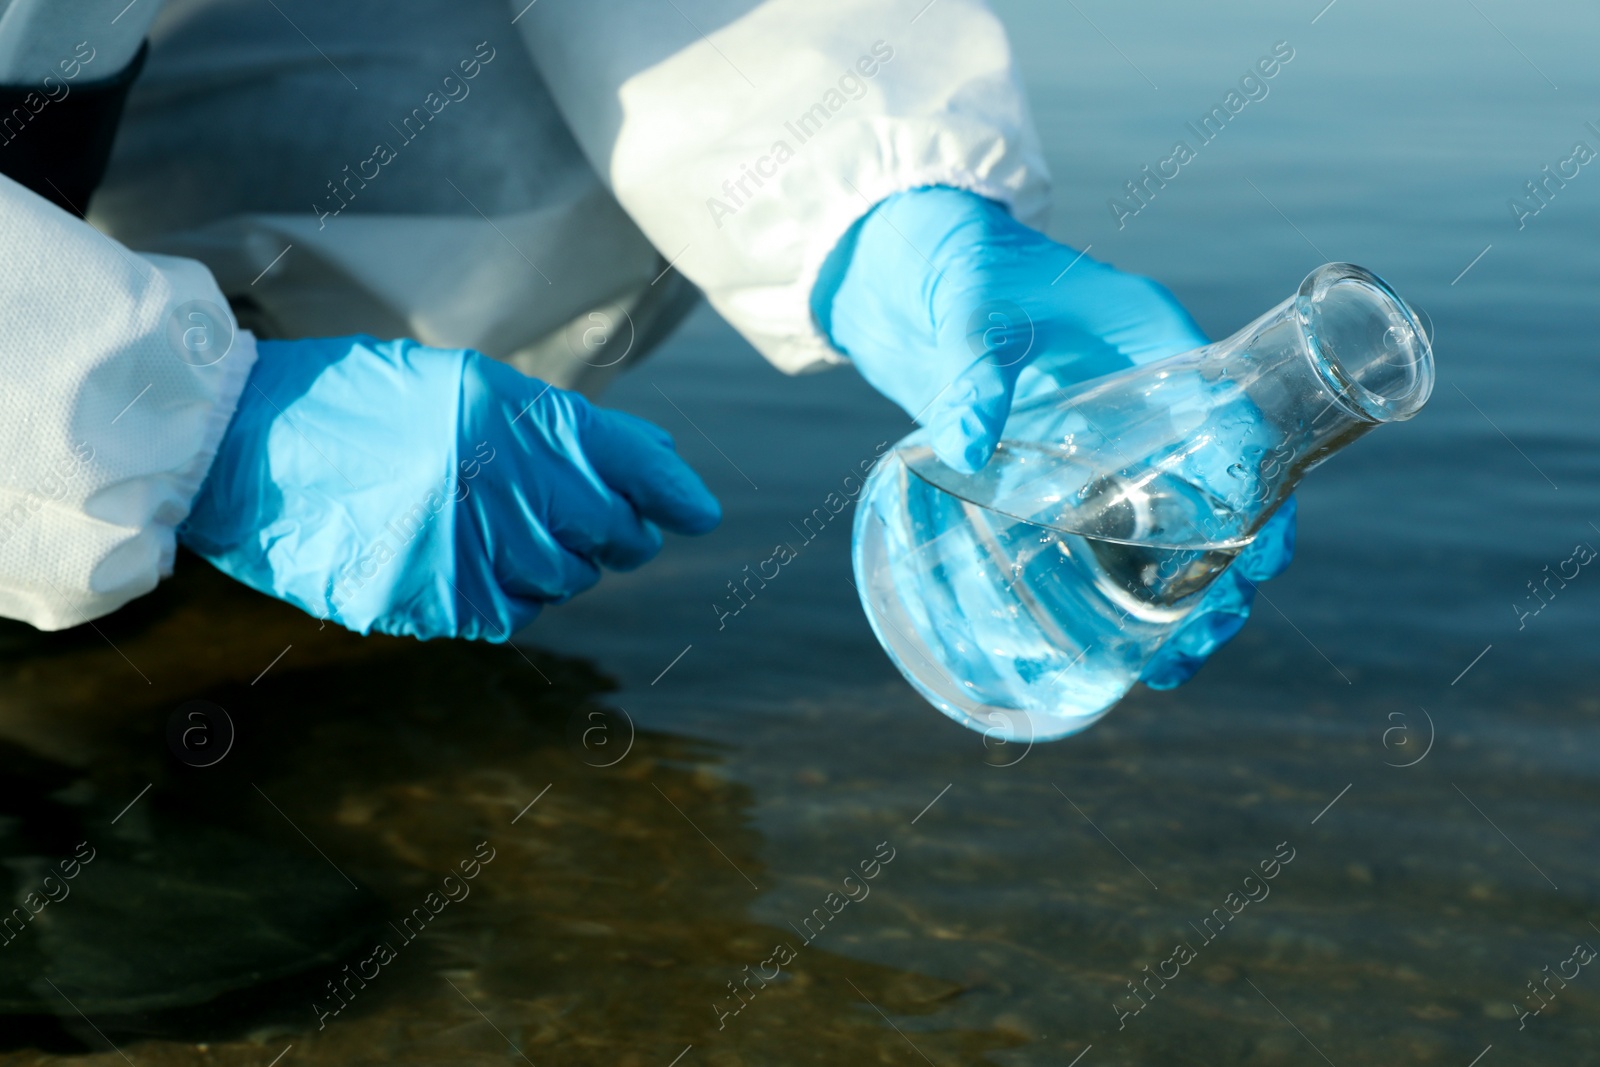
[[1404, 735]]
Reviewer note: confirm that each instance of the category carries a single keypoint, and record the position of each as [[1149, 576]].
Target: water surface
[[1397, 718]]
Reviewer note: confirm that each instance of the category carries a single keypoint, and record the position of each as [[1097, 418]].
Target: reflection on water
[[524, 898], [546, 876]]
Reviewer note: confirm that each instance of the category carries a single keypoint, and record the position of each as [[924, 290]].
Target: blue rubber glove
[[429, 492], [953, 309]]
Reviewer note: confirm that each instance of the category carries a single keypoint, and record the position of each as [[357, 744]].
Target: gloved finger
[[525, 558], [1187, 651], [966, 420], [1200, 635], [552, 578], [1273, 547], [607, 530], [636, 459], [1143, 320], [496, 621], [1220, 615], [542, 524], [1226, 605], [483, 615]]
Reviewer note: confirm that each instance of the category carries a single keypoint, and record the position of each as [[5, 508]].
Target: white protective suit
[[471, 173]]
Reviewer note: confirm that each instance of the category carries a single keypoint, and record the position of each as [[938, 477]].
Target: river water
[[1403, 737]]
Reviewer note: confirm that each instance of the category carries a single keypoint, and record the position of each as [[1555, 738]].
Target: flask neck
[[1344, 355], [1365, 342], [1199, 449]]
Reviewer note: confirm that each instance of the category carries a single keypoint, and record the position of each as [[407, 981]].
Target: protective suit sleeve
[[61, 42], [745, 137], [118, 374]]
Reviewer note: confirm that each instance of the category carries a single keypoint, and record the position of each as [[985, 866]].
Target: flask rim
[[1364, 403]]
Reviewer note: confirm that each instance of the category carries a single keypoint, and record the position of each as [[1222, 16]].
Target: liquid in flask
[[1025, 600]]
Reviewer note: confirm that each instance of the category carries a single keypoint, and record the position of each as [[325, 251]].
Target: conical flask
[[1025, 600]]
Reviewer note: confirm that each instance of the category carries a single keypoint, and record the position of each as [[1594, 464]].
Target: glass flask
[[1026, 599]]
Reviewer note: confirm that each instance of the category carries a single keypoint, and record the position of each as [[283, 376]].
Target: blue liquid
[[1030, 629]]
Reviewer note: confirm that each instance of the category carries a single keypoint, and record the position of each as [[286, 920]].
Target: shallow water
[[1398, 714]]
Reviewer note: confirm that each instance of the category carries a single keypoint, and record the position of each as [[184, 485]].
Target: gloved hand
[[436, 493], [953, 309]]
